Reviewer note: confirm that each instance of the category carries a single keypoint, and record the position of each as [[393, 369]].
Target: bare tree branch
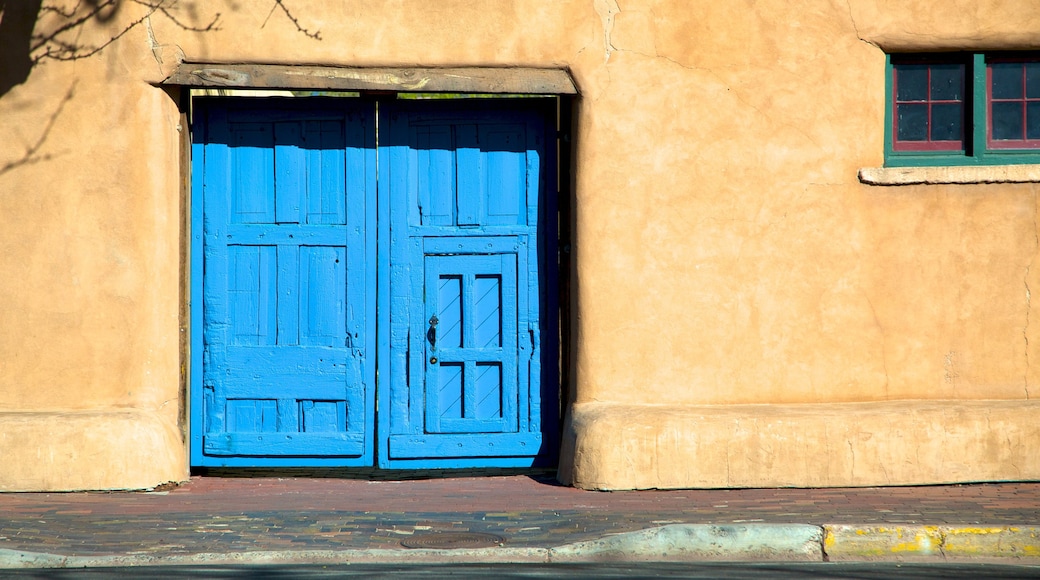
[[165, 10], [35, 31], [41, 40], [316, 35], [54, 47], [23, 47], [17, 20], [32, 151], [57, 10]]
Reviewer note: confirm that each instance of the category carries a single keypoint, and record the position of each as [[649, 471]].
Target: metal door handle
[[431, 334]]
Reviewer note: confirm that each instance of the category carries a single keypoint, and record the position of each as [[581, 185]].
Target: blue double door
[[374, 293]]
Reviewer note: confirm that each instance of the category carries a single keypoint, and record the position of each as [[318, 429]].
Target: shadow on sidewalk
[[545, 476]]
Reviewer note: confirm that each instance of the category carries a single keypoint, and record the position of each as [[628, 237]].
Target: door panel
[[465, 173], [473, 385], [284, 207], [468, 206]]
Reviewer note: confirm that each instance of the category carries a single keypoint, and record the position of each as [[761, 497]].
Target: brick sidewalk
[[230, 515]]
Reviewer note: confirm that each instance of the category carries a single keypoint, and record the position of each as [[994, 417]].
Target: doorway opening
[[375, 280]]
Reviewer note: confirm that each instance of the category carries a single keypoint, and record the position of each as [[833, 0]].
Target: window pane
[[911, 82], [1033, 121], [1033, 80], [947, 121], [947, 82], [1006, 80], [912, 121], [1007, 121]]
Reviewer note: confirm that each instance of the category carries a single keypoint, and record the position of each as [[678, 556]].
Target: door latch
[[431, 335]]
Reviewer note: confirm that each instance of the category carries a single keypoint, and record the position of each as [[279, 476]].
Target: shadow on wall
[[34, 32]]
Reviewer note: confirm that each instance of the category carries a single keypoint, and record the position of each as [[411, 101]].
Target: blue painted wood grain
[[284, 200], [462, 187], [304, 293]]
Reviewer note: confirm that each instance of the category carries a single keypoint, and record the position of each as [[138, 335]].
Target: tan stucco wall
[[726, 252], [818, 445], [90, 390]]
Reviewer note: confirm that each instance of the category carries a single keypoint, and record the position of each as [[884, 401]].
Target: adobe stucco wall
[[736, 284], [90, 242]]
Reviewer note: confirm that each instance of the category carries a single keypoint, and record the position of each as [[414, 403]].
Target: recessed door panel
[[471, 377]]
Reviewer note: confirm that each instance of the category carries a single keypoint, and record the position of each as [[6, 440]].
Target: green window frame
[[976, 102]]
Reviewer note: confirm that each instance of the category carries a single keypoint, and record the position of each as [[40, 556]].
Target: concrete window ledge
[[937, 175]]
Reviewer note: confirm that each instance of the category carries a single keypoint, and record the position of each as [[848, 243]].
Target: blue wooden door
[[303, 264], [471, 234], [284, 234]]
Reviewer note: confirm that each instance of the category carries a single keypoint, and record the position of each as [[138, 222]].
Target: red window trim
[[992, 143], [928, 144]]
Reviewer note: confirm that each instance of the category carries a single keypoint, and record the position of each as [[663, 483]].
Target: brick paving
[[234, 514]]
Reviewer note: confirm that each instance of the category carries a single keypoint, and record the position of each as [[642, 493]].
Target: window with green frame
[[962, 109]]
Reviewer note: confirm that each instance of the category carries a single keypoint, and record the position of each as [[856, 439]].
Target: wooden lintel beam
[[442, 80]]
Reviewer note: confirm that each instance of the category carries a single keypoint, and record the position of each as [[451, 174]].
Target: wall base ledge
[[614, 447], [89, 450]]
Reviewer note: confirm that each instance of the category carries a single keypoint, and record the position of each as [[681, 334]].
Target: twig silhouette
[[23, 47], [32, 151], [33, 32], [53, 45], [316, 35]]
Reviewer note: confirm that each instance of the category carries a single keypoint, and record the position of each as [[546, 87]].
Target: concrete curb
[[671, 543], [920, 542], [15, 559], [694, 543]]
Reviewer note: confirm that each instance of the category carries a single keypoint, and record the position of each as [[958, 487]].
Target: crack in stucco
[[1029, 301], [855, 26], [607, 10], [852, 18], [852, 468], [165, 55], [1025, 332], [1011, 457], [153, 44], [884, 351], [950, 374], [653, 18], [729, 480]]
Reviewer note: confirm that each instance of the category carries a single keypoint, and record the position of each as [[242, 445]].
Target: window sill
[[953, 174]]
